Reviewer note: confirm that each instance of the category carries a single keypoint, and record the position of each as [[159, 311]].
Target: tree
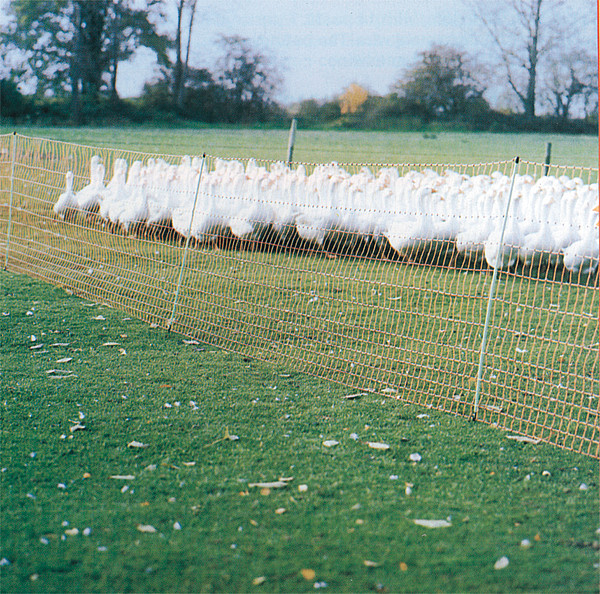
[[444, 83], [352, 98], [525, 34], [572, 83], [128, 28], [248, 78], [74, 46], [181, 66]]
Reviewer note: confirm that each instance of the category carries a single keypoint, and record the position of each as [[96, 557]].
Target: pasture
[[90, 394], [130, 400], [325, 146]]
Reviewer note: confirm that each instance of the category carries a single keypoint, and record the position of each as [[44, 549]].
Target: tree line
[[68, 53]]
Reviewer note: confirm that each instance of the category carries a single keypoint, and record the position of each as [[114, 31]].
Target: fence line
[[372, 278]]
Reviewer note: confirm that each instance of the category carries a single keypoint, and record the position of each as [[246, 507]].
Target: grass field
[[325, 146], [157, 409], [102, 395]]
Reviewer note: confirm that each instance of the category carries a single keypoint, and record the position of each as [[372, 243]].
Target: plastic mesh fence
[[376, 277]]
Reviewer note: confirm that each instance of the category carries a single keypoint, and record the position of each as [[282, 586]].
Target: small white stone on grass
[[502, 563], [176, 526], [146, 528], [329, 443], [415, 457]]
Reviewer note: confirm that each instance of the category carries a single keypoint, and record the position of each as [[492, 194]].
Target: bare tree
[[523, 33], [181, 67], [572, 83]]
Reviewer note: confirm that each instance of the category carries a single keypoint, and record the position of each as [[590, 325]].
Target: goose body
[[67, 201]]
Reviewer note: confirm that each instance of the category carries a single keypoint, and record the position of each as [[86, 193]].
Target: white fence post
[[12, 185], [488, 313], [171, 320]]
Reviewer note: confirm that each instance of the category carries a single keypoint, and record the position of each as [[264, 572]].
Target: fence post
[[171, 320], [488, 313], [547, 158], [12, 185], [291, 140]]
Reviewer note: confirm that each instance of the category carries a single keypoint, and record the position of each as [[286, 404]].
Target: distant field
[[341, 146]]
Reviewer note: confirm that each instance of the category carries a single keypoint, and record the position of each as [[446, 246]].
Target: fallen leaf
[[415, 457], [308, 574], [146, 528], [76, 427], [122, 351], [330, 443], [272, 485], [257, 581], [523, 438], [501, 563], [265, 492], [403, 566], [254, 523], [433, 523], [302, 488], [280, 510], [72, 532], [368, 563], [137, 444], [378, 446]]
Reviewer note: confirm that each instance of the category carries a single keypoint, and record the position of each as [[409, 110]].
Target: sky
[[321, 46]]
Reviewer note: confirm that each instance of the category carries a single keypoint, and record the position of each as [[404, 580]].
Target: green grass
[[341, 146], [496, 492]]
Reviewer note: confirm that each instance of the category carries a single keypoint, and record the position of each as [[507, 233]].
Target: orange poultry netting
[[374, 276]]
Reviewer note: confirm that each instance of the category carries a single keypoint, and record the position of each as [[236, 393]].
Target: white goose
[[90, 197], [66, 203]]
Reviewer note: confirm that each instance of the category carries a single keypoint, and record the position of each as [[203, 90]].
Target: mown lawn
[[341, 146], [106, 396]]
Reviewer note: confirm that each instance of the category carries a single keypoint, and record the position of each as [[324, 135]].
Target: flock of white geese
[[555, 218]]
